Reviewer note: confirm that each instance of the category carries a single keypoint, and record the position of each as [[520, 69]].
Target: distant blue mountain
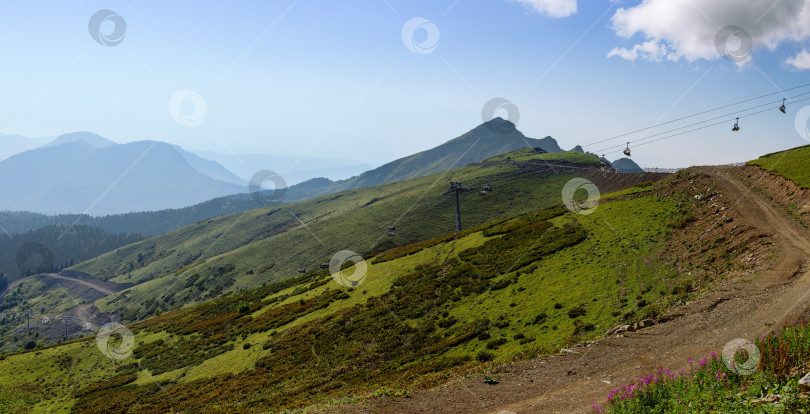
[[86, 173], [11, 144], [94, 140], [626, 165]]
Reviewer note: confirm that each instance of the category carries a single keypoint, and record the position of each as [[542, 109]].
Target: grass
[[420, 315], [527, 154], [246, 250], [268, 245], [791, 164], [302, 356], [218, 256], [738, 383], [14, 400]]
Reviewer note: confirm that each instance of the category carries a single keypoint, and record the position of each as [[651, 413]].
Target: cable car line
[[715, 118], [698, 129], [697, 114], [707, 120]]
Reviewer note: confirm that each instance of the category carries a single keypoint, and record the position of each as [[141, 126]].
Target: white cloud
[[801, 60], [553, 8], [651, 50], [675, 29]]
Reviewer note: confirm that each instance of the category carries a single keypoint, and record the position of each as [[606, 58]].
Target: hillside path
[[571, 383], [91, 283], [85, 282]]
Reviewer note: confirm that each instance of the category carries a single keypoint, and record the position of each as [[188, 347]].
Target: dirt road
[[571, 383], [94, 284]]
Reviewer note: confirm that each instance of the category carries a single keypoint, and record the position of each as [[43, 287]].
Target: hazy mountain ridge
[[210, 168], [77, 177], [95, 140], [294, 169], [12, 144]]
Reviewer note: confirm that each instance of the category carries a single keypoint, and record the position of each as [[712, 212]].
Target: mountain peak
[[88, 137], [500, 125]]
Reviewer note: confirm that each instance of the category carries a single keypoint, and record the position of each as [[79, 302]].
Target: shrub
[[526, 340], [580, 327], [384, 392], [577, 311], [540, 317], [502, 283], [484, 356], [446, 323], [496, 343], [683, 221]]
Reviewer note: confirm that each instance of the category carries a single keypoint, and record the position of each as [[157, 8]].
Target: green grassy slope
[[791, 164], [526, 154], [202, 261], [521, 286]]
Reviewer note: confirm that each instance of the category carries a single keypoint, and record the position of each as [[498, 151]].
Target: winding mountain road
[[94, 284]]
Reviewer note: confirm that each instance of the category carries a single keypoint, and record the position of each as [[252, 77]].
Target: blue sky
[[335, 79]]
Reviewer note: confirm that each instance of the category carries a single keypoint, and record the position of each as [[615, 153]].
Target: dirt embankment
[[795, 200], [737, 241], [80, 285], [608, 181]]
